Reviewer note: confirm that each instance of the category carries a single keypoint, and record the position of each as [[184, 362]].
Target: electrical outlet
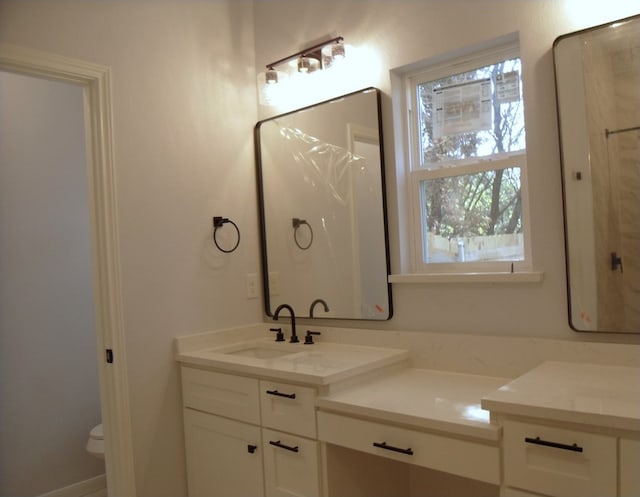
[[274, 283], [252, 286]]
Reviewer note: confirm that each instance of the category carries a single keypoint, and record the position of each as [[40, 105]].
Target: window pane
[[473, 217], [477, 113]]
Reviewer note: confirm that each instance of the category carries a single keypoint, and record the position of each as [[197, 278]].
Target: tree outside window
[[469, 164]]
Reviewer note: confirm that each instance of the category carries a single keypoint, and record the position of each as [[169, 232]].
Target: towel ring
[[296, 225], [219, 222]]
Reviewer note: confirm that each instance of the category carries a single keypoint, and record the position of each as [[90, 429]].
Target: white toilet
[[95, 444]]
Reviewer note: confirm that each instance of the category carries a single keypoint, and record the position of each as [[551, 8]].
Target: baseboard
[[93, 487]]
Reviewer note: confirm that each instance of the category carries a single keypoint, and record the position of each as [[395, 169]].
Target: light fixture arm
[[307, 51]]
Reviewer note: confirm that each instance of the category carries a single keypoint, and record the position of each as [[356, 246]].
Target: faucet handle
[[308, 339], [279, 334]]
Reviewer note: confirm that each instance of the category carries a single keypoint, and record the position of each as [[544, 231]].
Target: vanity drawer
[[291, 465], [231, 396], [470, 459], [557, 461], [289, 408]]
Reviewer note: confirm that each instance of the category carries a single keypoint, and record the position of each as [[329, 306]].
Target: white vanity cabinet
[[570, 429], [543, 457], [248, 437], [290, 448], [558, 461]]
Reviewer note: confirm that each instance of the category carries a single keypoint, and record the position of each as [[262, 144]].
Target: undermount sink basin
[[260, 352]]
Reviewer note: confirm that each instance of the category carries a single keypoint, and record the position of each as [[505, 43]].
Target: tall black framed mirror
[[598, 92], [322, 206]]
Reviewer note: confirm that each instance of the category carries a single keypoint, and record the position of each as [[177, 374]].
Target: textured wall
[[184, 105]]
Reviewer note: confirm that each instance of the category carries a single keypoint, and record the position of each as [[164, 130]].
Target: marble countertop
[[319, 364], [422, 398], [598, 395]]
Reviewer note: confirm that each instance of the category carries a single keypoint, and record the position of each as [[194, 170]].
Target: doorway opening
[[114, 399]]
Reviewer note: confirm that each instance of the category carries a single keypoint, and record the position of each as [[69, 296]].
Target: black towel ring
[[219, 222], [296, 225]]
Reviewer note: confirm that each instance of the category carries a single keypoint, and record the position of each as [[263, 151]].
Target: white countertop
[[598, 395], [319, 364], [607, 396], [423, 398]]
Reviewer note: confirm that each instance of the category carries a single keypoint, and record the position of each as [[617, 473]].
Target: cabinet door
[[290, 465], [223, 456], [629, 467]]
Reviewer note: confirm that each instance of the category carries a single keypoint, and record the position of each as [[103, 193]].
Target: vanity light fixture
[[317, 57]]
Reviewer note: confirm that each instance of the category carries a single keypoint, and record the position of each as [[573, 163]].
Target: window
[[467, 164]]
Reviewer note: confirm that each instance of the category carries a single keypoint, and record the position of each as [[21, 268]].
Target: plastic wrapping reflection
[[322, 209]]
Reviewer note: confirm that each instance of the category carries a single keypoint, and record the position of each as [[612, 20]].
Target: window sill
[[521, 277]]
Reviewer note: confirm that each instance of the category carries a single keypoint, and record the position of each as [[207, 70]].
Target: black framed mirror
[[322, 207], [598, 93]]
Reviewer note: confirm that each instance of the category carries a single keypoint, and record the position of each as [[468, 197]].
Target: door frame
[[114, 396]]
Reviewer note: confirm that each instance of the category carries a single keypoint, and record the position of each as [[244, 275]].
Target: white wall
[[49, 394], [184, 106], [404, 32]]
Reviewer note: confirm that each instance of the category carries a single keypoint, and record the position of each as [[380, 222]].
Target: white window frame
[[414, 175]]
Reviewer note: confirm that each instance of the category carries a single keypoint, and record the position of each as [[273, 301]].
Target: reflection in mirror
[[598, 90], [322, 207]]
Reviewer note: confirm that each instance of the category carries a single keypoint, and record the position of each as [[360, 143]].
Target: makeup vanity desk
[[430, 419], [561, 429]]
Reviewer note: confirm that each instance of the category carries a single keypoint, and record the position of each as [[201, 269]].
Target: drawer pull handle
[[277, 443], [251, 449], [555, 445], [280, 394], [384, 446]]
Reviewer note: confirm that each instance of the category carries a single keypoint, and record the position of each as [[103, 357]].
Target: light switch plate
[[252, 286], [274, 283]]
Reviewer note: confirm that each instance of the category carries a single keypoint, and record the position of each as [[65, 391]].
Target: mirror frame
[[562, 135], [262, 209]]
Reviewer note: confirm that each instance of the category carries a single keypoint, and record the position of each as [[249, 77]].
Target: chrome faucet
[[313, 304], [276, 315]]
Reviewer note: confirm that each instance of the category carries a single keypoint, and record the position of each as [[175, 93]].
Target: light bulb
[[308, 64], [337, 51], [271, 76]]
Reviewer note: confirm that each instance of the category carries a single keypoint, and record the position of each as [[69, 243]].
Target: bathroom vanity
[[570, 429], [266, 418], [254, 432]]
